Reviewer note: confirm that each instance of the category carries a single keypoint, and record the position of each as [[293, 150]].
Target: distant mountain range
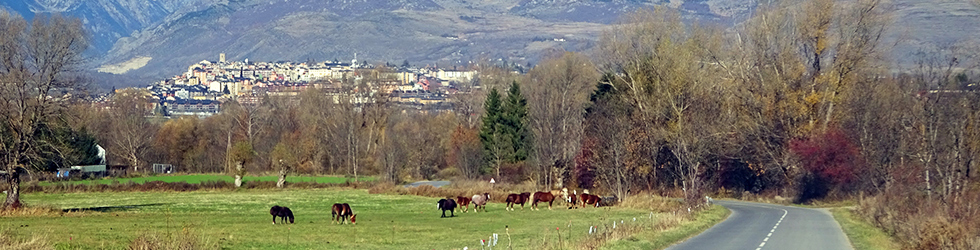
[[158, 38]]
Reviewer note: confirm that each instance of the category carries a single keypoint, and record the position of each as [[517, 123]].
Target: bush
[[919, 223], [830, 160]]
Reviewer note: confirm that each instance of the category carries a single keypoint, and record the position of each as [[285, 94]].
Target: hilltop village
[[205, 85]]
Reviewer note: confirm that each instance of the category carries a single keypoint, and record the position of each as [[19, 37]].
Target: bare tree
[[35, 60], [558, 93], [131, 131]]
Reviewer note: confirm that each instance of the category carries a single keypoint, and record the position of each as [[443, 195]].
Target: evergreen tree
[[514, 116], [490, 136]]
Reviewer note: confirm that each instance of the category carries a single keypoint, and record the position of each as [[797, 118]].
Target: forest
[[802, 101]]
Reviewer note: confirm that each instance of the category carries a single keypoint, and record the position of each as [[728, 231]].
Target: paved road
[[432, 183], [764, 226]]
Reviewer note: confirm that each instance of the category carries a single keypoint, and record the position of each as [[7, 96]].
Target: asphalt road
[[431, 183], [765, 226]]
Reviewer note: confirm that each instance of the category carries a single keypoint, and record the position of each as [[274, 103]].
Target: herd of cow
[[479, 201], [342, 213]]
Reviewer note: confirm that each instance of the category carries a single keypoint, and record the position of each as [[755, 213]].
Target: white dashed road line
[[772, 231]]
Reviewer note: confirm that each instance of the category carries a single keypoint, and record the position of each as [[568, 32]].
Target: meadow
[[239, 219], [198, 178]]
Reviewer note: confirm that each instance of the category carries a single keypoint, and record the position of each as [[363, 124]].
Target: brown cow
[[341, 213], [543, 197], [463, 203]]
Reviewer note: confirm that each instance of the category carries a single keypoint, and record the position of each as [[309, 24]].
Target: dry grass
[[8, 242], [186, 239], [919, 223], [29, 211], [466, 188], [655, 203]]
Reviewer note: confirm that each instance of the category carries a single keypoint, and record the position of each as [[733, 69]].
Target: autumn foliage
[[830, 160]]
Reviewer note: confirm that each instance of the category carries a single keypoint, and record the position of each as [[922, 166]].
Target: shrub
[[830, 160]]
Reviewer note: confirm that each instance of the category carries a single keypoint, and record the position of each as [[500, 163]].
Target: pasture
[[198, 178], [240, 219]]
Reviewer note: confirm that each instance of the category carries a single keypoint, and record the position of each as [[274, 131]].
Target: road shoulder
[[660, 238], [862, 235]]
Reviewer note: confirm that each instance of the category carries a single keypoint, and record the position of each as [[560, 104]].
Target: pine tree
[[490, 136], [515, 120]]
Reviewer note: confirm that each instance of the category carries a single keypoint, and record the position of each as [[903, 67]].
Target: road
[[764, 226], [431, 183]]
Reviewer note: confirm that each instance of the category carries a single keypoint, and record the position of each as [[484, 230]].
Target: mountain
[[107, 20], [151, 39], [420, 31]]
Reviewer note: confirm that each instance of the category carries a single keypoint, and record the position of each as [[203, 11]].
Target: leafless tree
[[36, 60], [558, 93], [131, 131]]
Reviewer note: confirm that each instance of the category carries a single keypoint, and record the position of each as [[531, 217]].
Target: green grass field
[[240, 220], [198, 178]]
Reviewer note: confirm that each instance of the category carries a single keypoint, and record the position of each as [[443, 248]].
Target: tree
[[131, 132], [559, 89], [495, 147], [177, 139], [405, 64], [670, 73], [464, 151], [514, 116], [284, 160], [241, 155], [36, 61]]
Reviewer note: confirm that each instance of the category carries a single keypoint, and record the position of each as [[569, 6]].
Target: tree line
[[800, 101]]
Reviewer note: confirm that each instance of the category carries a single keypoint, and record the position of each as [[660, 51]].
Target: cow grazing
[[463, 203], [542, 197], [341, 213], [588, 199], [480, 201], [447, 204], [282, 212]]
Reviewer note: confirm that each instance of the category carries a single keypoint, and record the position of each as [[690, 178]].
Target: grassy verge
[[198, 178], [660, 238], [863, 236], [240, 219]]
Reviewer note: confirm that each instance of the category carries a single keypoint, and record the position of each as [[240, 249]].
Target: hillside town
[[205, 85]]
